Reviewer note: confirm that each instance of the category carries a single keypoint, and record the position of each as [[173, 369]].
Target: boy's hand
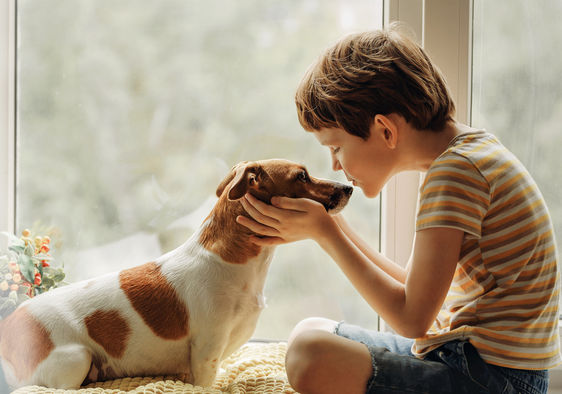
[[286, 220]]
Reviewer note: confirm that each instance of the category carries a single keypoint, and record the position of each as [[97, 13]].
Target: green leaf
[[13, 296], [17, 249], [29, 250], [12, 239], [48, 282], [42, 256], [27, 267], [59, 276]]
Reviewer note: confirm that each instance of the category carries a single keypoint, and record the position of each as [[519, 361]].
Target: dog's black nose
[[348, 190]]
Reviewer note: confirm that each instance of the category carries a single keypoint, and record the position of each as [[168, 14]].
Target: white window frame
[[444, 29], [7, 114]]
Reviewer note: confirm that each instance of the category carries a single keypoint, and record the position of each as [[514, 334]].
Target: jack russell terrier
[[181, 314]]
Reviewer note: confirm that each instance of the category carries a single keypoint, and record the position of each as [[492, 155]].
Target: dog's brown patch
[[154, 298], [110, 330], [226, 238], [24, 343]]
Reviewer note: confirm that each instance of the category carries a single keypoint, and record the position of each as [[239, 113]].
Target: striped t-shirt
[[505, 291]]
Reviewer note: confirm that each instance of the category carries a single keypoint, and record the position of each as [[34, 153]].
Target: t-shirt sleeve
[[454, 194]]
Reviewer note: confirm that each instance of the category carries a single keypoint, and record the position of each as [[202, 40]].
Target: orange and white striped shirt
[[505, 292]]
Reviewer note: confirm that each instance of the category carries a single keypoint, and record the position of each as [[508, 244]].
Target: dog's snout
[[347, 190]]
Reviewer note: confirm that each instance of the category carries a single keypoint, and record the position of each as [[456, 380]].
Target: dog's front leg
[[206, 355]]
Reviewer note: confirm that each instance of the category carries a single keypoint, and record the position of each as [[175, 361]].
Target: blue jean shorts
[[456, 367]]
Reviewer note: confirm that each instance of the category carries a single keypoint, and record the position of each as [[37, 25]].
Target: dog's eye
[[303, 176]]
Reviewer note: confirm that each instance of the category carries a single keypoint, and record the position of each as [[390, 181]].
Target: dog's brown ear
[[229, 177], [240, 177], [244, 179]]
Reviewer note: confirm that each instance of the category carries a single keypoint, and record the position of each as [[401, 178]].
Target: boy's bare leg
[[319, 361]]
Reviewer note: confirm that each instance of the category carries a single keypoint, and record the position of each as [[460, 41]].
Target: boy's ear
[[386, 128]]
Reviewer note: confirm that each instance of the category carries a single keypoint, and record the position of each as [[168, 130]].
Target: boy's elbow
[[414, 328]]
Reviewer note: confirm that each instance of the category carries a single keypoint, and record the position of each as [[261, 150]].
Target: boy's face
[[367, 164]]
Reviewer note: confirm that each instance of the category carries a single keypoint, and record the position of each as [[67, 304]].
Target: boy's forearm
[[388, 266], [385, 294]]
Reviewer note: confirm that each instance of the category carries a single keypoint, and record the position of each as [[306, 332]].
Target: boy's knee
[[312, 323], [304, 358]]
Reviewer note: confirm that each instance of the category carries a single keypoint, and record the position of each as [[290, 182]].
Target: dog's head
[[267, 178]]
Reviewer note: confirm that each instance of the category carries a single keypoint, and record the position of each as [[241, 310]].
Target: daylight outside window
[[130, 113], [517, 90]]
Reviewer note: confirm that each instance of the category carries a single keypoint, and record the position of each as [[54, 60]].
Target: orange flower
[[37, 279]]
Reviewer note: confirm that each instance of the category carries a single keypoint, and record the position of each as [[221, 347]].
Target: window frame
[[442, 27], [7, 114]]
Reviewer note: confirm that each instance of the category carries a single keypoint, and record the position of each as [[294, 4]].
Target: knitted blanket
[[254, 368]]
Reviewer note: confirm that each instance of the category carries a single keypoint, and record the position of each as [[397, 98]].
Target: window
[[129, 116], [517, 90]]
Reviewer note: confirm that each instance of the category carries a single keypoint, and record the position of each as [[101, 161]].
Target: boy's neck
[[426, 145]]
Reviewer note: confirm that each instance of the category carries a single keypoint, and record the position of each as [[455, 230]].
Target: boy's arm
[[387, 265], [410, 307]]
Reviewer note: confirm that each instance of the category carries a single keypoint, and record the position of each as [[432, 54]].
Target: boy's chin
[[369, 193]]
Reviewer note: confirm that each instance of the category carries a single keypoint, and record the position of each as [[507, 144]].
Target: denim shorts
[[455, 367]]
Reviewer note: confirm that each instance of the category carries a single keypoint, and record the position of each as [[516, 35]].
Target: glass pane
[[517, 89], [131, 112]]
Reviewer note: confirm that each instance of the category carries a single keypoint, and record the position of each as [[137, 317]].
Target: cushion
[[254, 368]]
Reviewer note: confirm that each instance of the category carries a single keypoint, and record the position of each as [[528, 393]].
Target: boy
[[476, 308]]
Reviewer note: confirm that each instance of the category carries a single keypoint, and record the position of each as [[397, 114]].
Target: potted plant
[[27, 269]]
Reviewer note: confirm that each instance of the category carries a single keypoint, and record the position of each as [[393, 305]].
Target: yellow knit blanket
[[254, 368]]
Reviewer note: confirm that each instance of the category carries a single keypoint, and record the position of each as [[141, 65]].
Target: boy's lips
[[352, 180], [349, 178]]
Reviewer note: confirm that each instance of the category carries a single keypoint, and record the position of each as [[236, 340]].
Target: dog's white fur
[[223, 301], [215, 328]]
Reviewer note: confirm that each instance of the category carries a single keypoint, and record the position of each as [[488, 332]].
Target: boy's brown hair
[[370, 73]]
